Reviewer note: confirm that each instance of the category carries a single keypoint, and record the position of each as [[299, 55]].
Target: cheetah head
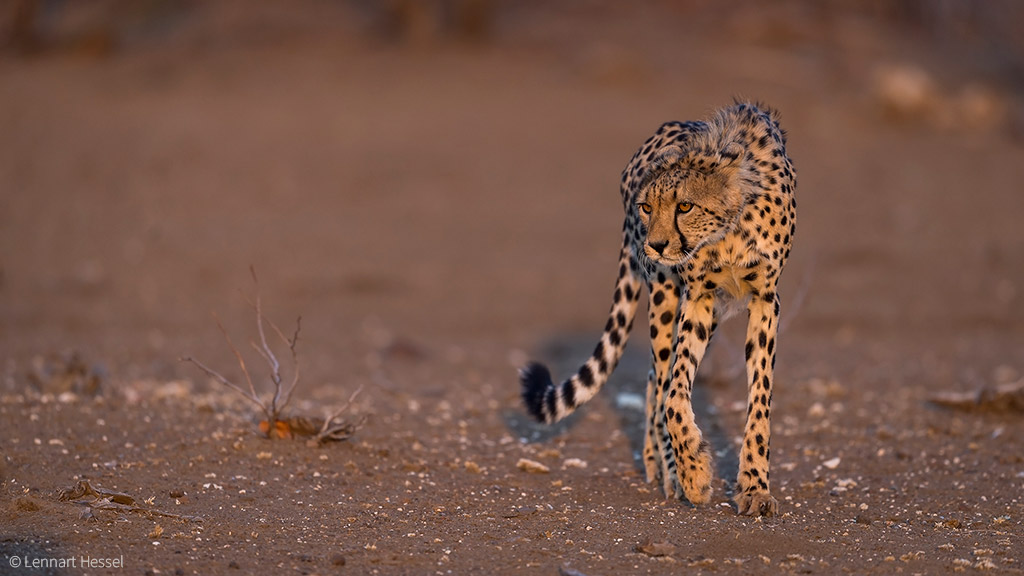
[[688, 202]]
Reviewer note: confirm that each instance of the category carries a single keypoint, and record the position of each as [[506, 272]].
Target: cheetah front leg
[[663, 306], [752, 487], [690, 454]]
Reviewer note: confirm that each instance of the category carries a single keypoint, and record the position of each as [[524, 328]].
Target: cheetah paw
[[756, 503], [696, 481]]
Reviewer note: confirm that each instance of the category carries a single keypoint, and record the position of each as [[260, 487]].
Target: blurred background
[[448, 171]]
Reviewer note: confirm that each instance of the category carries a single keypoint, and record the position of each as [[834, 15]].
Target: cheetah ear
[[731, 154], [660, 161], [667, 156]]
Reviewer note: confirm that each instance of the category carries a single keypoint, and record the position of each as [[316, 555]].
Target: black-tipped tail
[[538, 391]]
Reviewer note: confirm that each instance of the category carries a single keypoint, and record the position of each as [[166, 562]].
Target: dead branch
[[275, 425], [341, 430], [282, 393], [218, 377], [241, 363], [95, 498]]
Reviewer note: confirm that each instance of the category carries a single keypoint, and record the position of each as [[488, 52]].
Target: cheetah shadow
[[625, 391]]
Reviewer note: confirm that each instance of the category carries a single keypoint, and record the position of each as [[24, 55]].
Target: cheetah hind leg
[[664, 457], [654, 462]]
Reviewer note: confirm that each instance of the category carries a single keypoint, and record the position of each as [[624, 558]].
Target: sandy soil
[[441, 211]]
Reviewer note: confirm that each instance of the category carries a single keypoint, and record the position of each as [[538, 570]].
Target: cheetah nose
[[659, 247]]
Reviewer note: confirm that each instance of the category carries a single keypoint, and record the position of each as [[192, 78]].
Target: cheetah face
[[681, 211]]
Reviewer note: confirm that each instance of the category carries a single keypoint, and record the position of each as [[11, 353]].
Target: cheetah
[[710, 219]]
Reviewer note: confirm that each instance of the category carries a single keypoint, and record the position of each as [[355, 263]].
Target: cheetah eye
[[684, 207], [644, 207]]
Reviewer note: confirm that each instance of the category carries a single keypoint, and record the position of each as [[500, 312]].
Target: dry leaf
[[1003, 398], [656, 548]]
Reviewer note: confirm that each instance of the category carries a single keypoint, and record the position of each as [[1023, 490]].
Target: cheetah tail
[[548, 402]]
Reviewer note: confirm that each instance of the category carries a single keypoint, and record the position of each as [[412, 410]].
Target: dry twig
[[322, 430], [96, 498]]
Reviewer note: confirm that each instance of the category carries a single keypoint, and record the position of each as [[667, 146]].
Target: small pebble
[[574, 463], [532, 466]]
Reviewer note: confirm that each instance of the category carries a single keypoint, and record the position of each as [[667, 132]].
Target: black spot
[[709, 285], [750, 277], [654, 332], [664, 354], [687, 326], [658, 298], [586, 375], [771, 346], [551, 401], [702, 332], [749, 349], [599, 349], [621, 319], [614, 337], [628, 292], [666, 317], [762, 339], [568, 394]]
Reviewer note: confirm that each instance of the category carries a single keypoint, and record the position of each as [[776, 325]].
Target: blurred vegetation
[[103, 26], [945, 63]]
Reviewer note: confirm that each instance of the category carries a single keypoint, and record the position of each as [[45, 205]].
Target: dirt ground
[[440, 209]]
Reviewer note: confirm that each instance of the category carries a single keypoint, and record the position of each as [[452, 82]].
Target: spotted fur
[[710, 218]]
